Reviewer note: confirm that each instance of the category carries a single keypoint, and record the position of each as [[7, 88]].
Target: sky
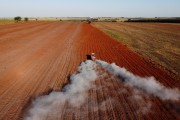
[[90, 8]]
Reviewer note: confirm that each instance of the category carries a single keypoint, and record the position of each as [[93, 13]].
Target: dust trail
[[74, 94], [148, 84], [138, 98]]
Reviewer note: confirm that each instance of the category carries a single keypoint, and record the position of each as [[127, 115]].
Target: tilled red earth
[[38, 57]]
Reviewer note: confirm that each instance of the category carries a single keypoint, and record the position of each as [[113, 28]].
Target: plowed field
[[40, 56], [156, 41]]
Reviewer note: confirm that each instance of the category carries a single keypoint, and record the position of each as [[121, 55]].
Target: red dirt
[[36, 57]]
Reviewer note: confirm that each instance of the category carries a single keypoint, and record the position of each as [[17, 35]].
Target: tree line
[[18, 19]]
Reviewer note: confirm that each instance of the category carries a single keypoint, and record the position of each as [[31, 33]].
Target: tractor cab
[[93, 56]]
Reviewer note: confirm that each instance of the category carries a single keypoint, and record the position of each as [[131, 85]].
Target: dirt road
[[38, 57]]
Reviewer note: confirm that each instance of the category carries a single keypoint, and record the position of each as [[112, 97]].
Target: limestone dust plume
[[148, 84], [75, 94]]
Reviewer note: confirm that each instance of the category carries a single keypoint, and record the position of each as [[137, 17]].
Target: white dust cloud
[[74, 94], [138, 98], [147, 84]]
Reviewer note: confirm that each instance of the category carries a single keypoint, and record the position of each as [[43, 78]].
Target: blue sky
[[91, 8]]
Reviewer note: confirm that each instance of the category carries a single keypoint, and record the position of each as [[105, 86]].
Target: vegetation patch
[[6, 21]]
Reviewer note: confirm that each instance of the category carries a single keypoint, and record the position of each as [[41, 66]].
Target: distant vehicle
[[93, 56]]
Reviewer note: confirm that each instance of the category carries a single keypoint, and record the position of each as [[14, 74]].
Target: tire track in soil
[[19, 29], [44, 69], [21, 57], [19, 90]]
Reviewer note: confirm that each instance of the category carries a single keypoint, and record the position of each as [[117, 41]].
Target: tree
[[26, 19], [17, 19]]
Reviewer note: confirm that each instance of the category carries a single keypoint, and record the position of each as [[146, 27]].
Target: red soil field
[[39, 56]]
